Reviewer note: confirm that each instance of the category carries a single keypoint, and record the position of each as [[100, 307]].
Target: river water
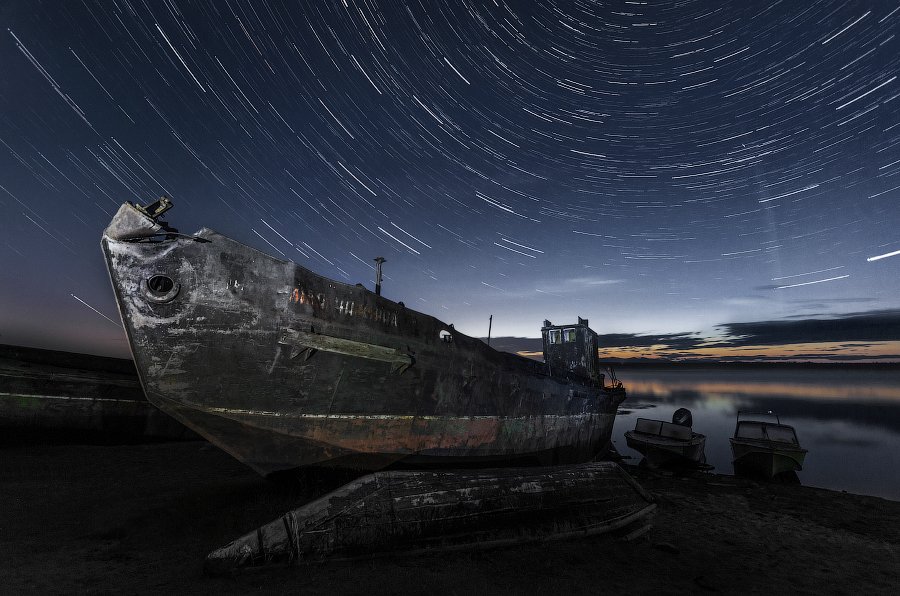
[[848, 419]]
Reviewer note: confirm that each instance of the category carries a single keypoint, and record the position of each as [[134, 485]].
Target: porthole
[[161, 288]]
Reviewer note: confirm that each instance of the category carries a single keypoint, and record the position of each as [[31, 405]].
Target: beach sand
[[128, 519]]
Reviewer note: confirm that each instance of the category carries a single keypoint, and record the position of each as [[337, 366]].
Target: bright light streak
[[515, 251], [94, 309], [456, 71], [405, 245], [267, 242], [809, 273], [807, 283], [183, 63], [884, 256]]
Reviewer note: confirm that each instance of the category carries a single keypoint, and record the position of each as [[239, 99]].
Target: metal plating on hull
[[283, 368]]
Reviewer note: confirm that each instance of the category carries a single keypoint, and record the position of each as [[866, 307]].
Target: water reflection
[[848, 419]]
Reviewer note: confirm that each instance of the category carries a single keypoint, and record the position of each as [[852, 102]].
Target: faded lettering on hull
[[343, 306]]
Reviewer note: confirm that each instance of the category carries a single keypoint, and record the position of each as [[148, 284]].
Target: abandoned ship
[[283, 368]]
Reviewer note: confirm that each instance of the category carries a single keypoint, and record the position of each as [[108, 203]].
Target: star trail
[[667, 167]]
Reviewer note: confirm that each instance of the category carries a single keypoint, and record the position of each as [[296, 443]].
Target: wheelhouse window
[[568, 335], [555, 336]]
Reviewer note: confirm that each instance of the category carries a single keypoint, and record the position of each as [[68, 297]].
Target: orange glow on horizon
[[881, 351], [765, 387]]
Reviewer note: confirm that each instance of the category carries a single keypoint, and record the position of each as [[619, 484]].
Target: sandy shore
[[141, 518]]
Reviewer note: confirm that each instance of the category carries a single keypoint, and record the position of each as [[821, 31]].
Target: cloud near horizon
[[879, 325]]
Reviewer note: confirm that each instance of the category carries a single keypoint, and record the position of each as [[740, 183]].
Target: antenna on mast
[[378, 262]]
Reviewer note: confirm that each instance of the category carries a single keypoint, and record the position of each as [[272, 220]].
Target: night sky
[[697, 178]]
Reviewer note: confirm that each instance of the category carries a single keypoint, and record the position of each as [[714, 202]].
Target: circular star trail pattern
[[656, 166]]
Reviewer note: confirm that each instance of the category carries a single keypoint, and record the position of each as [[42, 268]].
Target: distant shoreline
[[76, 360], [126, 365], [749, 364]]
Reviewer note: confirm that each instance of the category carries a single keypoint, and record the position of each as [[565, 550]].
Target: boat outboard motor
[[682, 417]]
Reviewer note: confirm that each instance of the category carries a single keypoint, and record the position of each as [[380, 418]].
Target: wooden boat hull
[[284, 368], [765, 458], [406, 511], [664, 452]]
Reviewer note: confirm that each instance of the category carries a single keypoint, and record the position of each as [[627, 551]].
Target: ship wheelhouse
[[571, 350]]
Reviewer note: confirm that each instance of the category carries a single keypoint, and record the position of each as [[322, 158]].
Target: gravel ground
[[134, 519]]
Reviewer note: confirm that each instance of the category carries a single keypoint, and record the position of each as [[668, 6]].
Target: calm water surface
[[849, 420]]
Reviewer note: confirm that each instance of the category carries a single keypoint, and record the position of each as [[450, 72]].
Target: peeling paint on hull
[[283, 368]]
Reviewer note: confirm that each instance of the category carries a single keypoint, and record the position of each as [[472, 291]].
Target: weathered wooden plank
[[309, 342]]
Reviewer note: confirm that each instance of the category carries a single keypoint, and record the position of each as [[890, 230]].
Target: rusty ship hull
[[284, 368]]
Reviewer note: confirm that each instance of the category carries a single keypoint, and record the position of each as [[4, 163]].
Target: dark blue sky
[[659, 167]]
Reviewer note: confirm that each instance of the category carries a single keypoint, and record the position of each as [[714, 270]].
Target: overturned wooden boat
[[284, 368], [430, 511], [765, 447], [668, 444]]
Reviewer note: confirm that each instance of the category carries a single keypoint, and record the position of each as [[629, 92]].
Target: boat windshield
[[766, 432], [783, 434], [750, 430]]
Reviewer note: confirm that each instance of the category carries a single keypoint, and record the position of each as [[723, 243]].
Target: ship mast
[[378, 262]]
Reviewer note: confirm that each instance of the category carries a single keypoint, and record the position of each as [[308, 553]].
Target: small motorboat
[[668, 444], [766, 447]]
